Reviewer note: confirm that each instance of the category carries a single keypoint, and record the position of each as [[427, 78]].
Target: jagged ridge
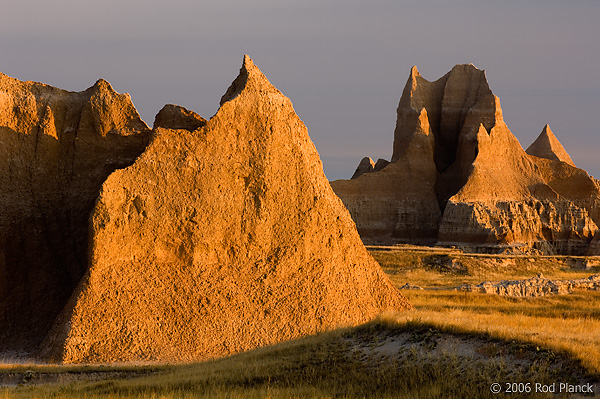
[[451, 144]]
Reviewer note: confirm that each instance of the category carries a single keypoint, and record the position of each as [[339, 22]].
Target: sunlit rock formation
[[218, 240], [459, 177], [547, 146]]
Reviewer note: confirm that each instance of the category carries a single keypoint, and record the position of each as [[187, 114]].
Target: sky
[[342, 63]]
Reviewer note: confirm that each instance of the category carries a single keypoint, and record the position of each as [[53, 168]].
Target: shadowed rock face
[[56, 149], [219, 240], [459, 176], [366, 165]]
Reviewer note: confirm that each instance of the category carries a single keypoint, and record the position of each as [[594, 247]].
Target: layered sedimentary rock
[[534, 287], [400, 200], [594, 248], [218, 240], [56, 149], [471, 183]]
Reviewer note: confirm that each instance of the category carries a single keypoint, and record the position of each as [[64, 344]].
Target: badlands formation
[[57, 148], [222, 236], [458, 176]]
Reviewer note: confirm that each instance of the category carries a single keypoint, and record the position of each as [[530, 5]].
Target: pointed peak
[[547, 146], [250, 76], [414, 72], [366, 165], [547, 131], [248, 63], [102, 84]]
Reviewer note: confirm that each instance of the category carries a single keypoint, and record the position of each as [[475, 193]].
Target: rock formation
[[366, 165], [594, 248], [176, 117], [547, 146], [459, 177], [57, 148], [218, 240], [534, 287], [380, 164]]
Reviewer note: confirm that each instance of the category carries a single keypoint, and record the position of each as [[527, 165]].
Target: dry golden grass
[[569, 323], [563, 331], [452, 268], [579, 337], [327, 366]]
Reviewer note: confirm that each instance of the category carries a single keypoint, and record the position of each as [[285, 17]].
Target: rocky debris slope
[[459, 177], [533, 287], [218, 240], [56, 150]]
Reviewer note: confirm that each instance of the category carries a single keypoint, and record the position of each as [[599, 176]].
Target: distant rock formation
[[218, 240], [459, 177], [177, 117], [594, 248], [547, 146], [366, 165], [380, 164], [57, 148], [534, 287]]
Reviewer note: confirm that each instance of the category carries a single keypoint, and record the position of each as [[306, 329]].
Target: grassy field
[[454, 345], [569, 323]]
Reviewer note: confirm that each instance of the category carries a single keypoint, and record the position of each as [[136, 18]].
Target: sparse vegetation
[[455, 344]]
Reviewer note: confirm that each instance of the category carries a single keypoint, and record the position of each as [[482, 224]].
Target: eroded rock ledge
[[533, 287]]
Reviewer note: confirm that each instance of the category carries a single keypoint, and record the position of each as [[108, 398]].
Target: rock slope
[[459, 177], [56, 150], [218, 240]]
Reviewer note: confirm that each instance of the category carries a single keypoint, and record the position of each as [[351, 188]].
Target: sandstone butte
[[56, 150], [458, 176], [223, 236]]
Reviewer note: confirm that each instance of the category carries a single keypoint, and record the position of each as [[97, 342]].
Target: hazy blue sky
[[342, 63]]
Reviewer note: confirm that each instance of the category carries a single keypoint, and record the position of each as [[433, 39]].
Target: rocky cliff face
[[400, 200], [218, 240], [56, 149], [488, 191]]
